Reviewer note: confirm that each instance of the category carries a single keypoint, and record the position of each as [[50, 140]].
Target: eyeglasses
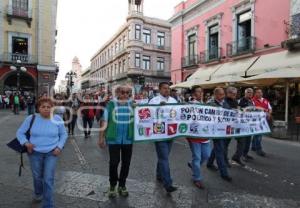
[[125, 92]]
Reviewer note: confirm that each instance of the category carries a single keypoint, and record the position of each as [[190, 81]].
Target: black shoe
[[212, 167], [226, 178], [261, 153], [171, 189], [190, 165], [159, 179], [89, 133], [86, 136], [238, 161], [249, 157]]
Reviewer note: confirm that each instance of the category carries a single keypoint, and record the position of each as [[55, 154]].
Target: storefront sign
[[195, 121]]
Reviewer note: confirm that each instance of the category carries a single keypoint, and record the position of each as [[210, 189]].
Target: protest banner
[[172, 121]]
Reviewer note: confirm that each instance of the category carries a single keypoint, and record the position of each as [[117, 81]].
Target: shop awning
[[204, 74], [186, 84], [233, 71], [273, 62]]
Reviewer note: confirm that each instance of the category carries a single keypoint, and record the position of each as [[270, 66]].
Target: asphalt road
[[82, 176]]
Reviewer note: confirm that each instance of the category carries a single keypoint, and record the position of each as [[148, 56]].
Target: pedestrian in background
[[117, 132], [30, 102], [163, 148], [16, 103], [200, 147], [47, 139], [88, 115], [74, 106]]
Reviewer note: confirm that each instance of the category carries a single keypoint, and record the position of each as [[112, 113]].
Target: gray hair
[[248, 90], [231, 90], [218, 90]]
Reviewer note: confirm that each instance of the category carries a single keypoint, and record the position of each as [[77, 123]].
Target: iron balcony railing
[[213, 54], [190, 61], [13, 57], [19, 12], [242, 46]]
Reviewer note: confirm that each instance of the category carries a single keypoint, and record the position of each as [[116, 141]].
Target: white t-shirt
[[158, 99]]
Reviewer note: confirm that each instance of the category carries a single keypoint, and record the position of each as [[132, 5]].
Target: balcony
[[133, 72], [13, 57], [190, 61], [19, 13], [293, 30], [241, 47], [211, 55]]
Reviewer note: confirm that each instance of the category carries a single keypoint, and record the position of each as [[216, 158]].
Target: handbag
[[16, 146]]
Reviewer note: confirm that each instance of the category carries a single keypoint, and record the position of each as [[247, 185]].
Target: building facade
[[139, 54], [77, 69], [28, 36], [212, 32], [85, 80]]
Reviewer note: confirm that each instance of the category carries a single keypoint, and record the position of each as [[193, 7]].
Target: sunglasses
[[125, 92]]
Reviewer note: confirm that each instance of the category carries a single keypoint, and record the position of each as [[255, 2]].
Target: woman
[[88, 115], [48, 137]]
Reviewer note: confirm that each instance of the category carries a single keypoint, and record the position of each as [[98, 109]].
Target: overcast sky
[[85, 25]]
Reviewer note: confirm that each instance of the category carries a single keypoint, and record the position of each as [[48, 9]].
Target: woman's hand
[[101, 143], [29, 147], [56, 152]]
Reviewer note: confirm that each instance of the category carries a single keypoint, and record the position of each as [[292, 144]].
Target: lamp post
[[69, 77], [18, 68]]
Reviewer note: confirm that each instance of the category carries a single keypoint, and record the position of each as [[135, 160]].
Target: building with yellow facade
[[27, 42]]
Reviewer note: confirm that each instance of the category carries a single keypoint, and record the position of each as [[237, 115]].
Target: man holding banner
[[218, 151], [200, 148], [163, 148]]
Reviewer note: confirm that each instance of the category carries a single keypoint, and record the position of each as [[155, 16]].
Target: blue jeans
[[256, 143], [200, 153], [163, 150], [218, 153], [43, 168]]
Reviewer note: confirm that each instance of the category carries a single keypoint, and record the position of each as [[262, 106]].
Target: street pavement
[[82, 176]]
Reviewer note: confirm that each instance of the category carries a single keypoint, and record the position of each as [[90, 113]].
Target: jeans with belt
[[43, 170]]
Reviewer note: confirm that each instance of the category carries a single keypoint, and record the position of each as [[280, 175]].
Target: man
[[16, 103], [174, 95], [163, 148], [30, 101], [116, 130], [218, 151], [262, 104], [231, 93], [243, 144], [200, 148]]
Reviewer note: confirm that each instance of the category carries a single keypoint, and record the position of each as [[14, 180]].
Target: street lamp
[[18, 68], [69, 77]]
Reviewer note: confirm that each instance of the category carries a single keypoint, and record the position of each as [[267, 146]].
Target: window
[[244, 31], [192, 46], [120, 67], [137, 32], [147, 36], [160, 63], [213, 45], [146, 62], [161, 39], [116, 48], [124, 65], [19, 45], [20, 5], [137, 60]]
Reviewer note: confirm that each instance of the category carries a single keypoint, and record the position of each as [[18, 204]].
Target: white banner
[[195, 121]]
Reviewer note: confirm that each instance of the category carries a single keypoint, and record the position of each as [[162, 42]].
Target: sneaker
[[228, 164], [261, 153], [171, 189], [86, 136], [199, 184], [112, 192], [226, 178], [212, 167], [238, 161], [248, 157], [37, 199], [123, 191]]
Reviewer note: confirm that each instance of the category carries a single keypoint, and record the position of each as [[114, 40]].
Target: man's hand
[[163, 103], [29, 147], [56, 152], [101, 143]]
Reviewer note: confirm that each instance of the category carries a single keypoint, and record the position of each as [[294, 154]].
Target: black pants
[[115, 152], [226, 145], [72, 124], [87, 122], [240, 147]]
